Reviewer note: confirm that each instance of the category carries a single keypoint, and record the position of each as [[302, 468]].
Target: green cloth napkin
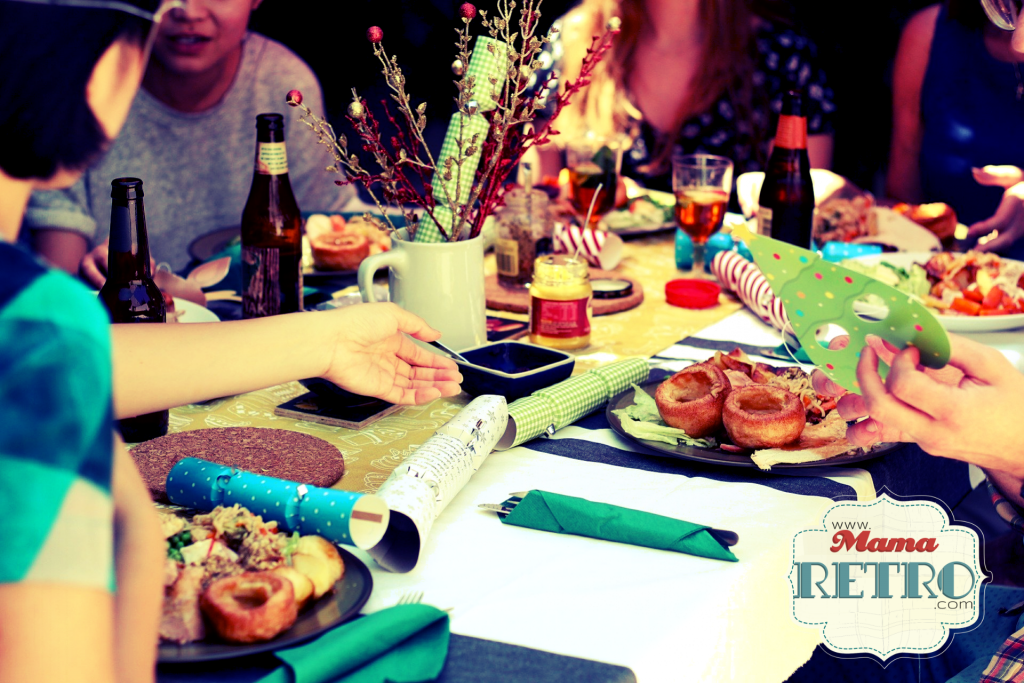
[[560, 514], [403, 644]]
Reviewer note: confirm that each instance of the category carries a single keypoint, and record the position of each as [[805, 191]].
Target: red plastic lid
[[692, 293]]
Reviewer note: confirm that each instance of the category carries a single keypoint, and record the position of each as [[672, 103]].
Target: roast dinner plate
[[333, 609], [953, 323], [716, 456]]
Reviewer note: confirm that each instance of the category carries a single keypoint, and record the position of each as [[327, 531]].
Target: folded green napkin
[[403, 644], [548, 511]]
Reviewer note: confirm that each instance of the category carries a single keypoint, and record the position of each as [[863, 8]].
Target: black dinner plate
[[715, 456], [205, 247], [348, 597]]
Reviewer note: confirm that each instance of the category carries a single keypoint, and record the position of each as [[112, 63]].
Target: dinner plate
[[349, 596], [953, 323], [205, 247], [645, 228], [715, 456], [190, 312]]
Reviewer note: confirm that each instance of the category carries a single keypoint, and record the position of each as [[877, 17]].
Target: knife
[[778, 353]]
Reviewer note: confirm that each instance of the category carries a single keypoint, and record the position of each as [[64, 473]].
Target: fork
[[410, 598]]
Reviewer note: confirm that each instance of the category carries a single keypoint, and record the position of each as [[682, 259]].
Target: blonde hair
[[726, 68]]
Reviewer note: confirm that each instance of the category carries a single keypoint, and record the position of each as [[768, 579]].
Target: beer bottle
[[787, 197], [130, 294], [271, 229]]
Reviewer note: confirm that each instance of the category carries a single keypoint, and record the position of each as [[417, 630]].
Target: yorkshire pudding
[[692, 399], [250, 607], [763, 416]]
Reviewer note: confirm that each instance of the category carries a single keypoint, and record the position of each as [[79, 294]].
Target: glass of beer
[[702, 184], [594, 162]]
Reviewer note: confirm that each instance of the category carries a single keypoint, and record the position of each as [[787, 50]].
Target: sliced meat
[[181, 621]]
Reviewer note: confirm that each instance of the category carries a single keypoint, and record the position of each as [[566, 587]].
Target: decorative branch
[[510, 132]]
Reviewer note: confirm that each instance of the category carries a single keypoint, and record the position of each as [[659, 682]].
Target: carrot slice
[[974, 295], [966, 306], [994, 311], [993, 298]]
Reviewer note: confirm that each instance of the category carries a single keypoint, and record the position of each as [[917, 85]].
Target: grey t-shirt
[[197, 168]]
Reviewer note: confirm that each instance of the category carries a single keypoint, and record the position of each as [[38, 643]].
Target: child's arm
[[362, 348], [140, 553]]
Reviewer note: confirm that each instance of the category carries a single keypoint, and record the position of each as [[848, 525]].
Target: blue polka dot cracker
[[339, 516], [817, 293]]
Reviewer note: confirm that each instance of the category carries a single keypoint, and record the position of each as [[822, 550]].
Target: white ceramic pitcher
[[443, 283]]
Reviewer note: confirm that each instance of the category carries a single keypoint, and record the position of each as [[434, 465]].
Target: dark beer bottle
[[129, 293], [271, 229], [787, 197]]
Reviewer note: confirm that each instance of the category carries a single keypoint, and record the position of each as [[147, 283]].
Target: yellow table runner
[[373, 452]]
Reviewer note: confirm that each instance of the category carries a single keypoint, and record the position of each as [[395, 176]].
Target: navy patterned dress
[[784, 60]]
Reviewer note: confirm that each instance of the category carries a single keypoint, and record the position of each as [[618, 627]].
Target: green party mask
[[816, 293]]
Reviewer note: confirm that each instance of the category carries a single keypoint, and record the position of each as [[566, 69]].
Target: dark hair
[[47, 55]]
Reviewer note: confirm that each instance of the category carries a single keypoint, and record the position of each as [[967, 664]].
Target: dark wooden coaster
[[518, 300], [274, 452]]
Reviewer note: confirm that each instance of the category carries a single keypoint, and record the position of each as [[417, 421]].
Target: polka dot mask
[[819, 297]]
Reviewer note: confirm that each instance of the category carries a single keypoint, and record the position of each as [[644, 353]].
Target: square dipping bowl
[[512, 369]]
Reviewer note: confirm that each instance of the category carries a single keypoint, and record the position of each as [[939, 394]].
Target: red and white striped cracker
[[748, 283], [599, 247]]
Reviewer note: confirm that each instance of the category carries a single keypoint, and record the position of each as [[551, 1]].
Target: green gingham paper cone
[[562, 404], [488, 62]]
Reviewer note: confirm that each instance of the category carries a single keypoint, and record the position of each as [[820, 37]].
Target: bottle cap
[[688, 293], [270, 121], [792, 103]]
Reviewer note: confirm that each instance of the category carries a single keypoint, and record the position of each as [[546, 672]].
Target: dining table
[[526, 605]]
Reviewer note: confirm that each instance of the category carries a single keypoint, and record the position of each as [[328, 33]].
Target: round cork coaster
[[518, 300], [274, 452]]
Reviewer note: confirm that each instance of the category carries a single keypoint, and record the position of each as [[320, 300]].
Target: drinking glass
[[594, 162], [702, 183]]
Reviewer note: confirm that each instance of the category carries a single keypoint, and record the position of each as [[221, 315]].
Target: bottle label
[[560, 319], [792, 132], [271, 158], [764, 221], [507, 255]]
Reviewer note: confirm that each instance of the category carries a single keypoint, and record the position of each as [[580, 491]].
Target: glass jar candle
[[523, 225], [560, 297]]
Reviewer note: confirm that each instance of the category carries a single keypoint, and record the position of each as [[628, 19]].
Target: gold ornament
[[472, 107], [356, 110], [614, 24], [458, 68]]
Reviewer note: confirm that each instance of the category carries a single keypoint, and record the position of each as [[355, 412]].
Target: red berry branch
[[405, 158]]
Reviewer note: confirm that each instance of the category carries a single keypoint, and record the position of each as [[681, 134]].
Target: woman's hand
[[967, 411], [93, 268], [1008, 219], [998, 176], [372, 356]]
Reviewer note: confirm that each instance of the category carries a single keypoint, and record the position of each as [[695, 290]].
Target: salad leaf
[[291, 545], [912, 281], [651, 431], [644, 407], [642, 420]]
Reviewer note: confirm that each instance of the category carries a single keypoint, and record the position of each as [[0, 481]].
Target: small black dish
[[512, 369]]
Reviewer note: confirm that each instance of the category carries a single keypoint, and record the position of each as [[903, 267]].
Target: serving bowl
[[512, 369]]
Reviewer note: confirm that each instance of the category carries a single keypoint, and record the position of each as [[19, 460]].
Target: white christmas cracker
[[423, 485]]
